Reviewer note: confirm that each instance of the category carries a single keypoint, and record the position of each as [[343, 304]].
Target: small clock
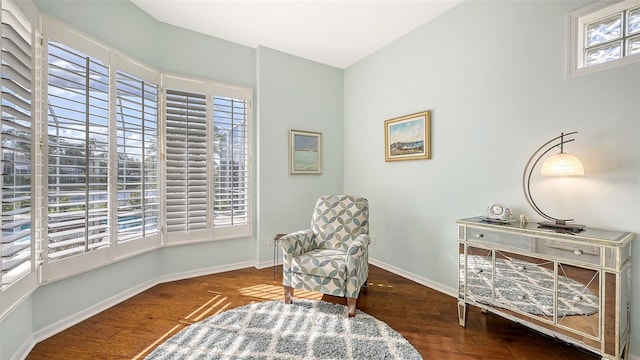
[[498, 211]]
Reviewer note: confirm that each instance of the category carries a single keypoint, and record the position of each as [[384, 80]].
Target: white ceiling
[[333, 32]]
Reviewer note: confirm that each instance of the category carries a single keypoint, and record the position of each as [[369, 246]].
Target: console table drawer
[[564, 250], [500, 238], [584, 253]]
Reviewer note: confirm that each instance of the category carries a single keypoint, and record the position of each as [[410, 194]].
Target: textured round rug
[[306, 329]]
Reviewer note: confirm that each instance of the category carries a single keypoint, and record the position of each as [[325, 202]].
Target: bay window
[[104, 157]]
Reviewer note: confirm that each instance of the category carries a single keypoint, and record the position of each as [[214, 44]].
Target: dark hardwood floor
[[427, 318]]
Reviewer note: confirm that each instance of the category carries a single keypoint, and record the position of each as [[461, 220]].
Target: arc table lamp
[[561, 164]]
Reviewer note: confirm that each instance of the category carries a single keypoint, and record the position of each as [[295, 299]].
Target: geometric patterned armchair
[[332, 257]]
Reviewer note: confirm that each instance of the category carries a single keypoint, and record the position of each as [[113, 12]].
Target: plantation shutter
[[231, 161], [78, 152], [137, 147], [16, 148], [186, 161]]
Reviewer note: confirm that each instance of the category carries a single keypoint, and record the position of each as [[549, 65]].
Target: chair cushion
[[321, 262], [338, 220]]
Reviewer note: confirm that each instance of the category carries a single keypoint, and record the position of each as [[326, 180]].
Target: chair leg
[[288, 294], [351, 306], [365, 285]]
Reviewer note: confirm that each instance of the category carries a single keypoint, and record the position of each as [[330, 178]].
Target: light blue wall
[[294, 93], [127, 28], [492, 75], [15, 328], [119, 23], [190, 53]]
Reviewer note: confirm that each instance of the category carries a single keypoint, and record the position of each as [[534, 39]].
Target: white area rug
[[271, 330]]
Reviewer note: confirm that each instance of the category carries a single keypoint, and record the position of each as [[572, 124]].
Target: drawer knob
[[478, 271], [578, 252], [479, 236], [520, 268]]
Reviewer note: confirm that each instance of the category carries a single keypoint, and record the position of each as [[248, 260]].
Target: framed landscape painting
[[305, 152], [408, 137]]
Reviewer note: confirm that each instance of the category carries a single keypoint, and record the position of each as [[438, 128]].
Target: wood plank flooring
[[427, 318]]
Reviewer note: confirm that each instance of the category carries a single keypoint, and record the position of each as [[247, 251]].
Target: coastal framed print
[[305, 152], [408, 137]]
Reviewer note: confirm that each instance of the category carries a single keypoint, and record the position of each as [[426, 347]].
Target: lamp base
[[561, 227]]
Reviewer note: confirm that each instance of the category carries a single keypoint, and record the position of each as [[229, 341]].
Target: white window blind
[[16, 135], [186, 161], [78, 119], [231, 167], [207, 161], [137, 147]]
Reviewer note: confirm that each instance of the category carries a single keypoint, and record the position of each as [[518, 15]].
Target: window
[[612, 38], [602, 36], [207, 161], [78, 143], [138, 197], [16, 133], [231, 167]]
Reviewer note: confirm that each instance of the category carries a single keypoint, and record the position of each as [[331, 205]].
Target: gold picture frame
[[408, 137], [305, 152]]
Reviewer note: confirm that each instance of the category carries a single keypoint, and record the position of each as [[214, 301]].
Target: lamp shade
[[562, 164]]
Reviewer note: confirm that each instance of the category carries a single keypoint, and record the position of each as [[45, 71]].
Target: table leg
[[462, 313]]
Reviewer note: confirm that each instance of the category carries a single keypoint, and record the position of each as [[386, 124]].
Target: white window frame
[[210, 89], [241, 230], [576, 22], [124, 249], [69, 266]]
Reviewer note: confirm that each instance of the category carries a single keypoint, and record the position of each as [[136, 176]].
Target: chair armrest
[[296, 243], [357, 260], [359, 247]]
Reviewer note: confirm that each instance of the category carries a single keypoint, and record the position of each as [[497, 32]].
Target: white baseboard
[[265, 264], [413, 277], [24, 349], [84, 314]]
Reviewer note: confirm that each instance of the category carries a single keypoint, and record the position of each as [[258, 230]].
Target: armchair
[[332, 256]]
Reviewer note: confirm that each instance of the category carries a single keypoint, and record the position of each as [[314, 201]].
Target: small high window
[[604, 35]]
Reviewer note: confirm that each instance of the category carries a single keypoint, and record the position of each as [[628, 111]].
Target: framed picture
[[305, 152], [408, 137]]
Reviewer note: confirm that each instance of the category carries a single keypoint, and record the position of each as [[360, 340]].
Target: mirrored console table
[[575, 287]]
